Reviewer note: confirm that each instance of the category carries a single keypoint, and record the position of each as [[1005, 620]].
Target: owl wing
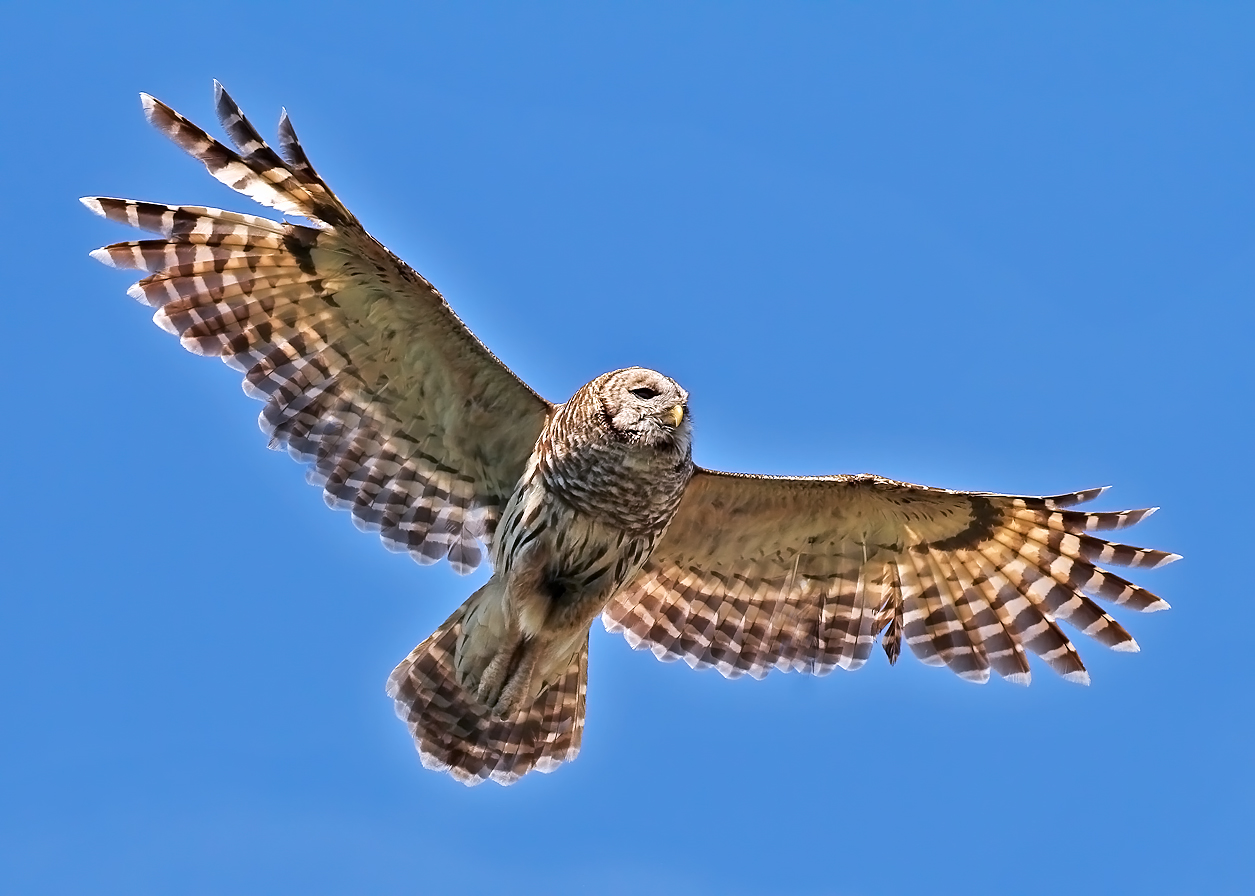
[[403, 416], [758, 573]]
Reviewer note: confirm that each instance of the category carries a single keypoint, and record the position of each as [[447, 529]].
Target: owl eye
[[644, 392]]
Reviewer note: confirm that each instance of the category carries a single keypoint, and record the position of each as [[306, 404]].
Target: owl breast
[[562, 564], [582, 521]]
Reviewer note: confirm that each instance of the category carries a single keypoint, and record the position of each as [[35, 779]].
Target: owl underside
[[415, 428]]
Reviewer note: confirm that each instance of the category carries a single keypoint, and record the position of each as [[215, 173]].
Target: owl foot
[[507, 679]]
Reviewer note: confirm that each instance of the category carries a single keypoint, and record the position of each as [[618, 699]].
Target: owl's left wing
[[404, 417], [758, 573]]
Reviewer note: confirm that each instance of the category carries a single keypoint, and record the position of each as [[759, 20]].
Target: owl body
[[602, 484], [591, 507], [499, 687]]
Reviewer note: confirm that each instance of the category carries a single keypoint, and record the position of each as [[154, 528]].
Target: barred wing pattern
[[801, 574], [404, 417]]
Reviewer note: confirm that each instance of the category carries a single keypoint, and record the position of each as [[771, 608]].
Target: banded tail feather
[[456, 733]]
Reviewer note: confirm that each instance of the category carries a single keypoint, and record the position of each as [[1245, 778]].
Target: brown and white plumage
[[593, 506], [759, 573], [405, 418]]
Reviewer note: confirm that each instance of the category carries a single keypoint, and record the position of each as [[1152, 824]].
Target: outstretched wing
[[404, 417], [802, 574]]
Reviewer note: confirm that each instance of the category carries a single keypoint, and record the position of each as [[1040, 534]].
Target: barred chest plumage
[[587, 513]]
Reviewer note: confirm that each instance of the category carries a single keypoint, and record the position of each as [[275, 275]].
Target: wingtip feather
[[102, 256], [223, 104], [93, 205], [162, 320], [1092, 494], [150, 104], [1080, 676], [1071, 499], [1086, 495]]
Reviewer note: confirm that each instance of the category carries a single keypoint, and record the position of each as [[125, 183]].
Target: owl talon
[[506, 681], [493, 679], [518, 686]]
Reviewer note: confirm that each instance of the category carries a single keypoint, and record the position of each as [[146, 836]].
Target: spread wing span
[[759, 573], [403, 416]]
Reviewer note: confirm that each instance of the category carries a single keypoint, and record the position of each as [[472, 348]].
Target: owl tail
[[456, 733]]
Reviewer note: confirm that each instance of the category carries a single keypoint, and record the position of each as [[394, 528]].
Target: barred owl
[[592, 507]]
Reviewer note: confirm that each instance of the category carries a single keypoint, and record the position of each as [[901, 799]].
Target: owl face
[[646, 408]]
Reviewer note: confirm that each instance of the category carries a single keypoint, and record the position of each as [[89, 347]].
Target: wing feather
[[1006, 651], [405, 418], [801, 574], [840, 618]]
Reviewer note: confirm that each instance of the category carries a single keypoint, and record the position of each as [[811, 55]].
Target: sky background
[[1004, 247]]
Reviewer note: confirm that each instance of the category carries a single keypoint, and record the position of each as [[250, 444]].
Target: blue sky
[[990, 246]]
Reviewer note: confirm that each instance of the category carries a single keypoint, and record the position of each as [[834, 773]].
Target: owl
[[589, 508]]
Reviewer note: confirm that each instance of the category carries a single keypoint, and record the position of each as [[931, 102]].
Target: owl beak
[[675, 415]]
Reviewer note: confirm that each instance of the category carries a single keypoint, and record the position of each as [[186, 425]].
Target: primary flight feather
[[589, 507]]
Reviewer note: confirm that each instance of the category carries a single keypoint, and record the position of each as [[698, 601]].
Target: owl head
[[645, 408]]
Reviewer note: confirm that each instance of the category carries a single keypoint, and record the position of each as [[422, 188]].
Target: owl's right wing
[[404, 417], [762, 572]]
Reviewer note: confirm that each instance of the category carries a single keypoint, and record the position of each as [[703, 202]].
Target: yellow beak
[[676, 414]]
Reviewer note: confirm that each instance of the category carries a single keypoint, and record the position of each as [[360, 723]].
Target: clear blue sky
[[992, 246]]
